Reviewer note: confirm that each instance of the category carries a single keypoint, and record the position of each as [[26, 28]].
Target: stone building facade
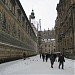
[[16, 32], [65, 28], [46, 41]]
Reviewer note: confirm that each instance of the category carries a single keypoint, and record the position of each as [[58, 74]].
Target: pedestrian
[[55, 56], [43, 56], [47, 55], [61, 61], [24, 55], [40, 55], [52, 59]]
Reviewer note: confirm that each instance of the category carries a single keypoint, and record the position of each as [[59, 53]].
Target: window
[[65, 43], [45, 45], [4, 23], [49, 50], [19, 14], [14, 10], [26, 26], [18, 33], [0, 16], [23, 20]]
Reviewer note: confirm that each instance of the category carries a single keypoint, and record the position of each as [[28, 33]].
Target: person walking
[[55, 56], [43, 56], [52, 59], [40, 55], [24, 55], [61, 61], [46, 57]]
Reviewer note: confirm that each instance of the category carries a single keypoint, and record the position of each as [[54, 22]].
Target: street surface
[[35, 66]]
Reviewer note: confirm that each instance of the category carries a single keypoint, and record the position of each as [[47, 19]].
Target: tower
[[33, 22], [32, 16]]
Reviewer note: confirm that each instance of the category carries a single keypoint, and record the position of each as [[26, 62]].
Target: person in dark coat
[[43, 56], [24, 55], [55, 56], [61, 61], [52, 59], [47, 55], [40, 55]]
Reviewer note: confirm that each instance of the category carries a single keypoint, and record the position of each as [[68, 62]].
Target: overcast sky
[[43, 9]]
